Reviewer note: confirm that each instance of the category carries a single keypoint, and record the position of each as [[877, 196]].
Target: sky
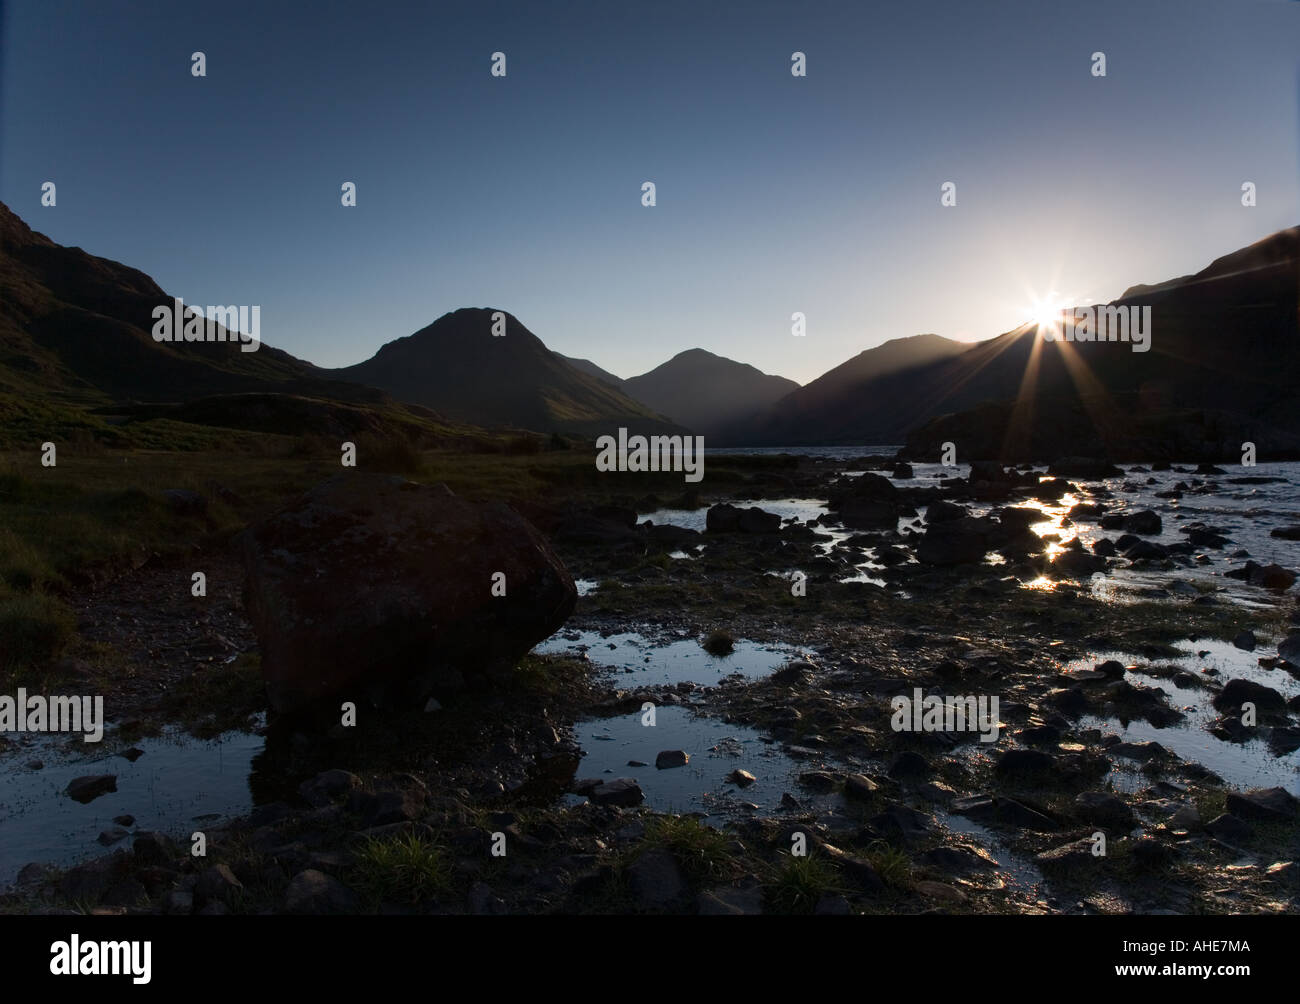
[[775, 194]]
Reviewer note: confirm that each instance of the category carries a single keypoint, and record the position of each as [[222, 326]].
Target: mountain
[[1222, 361], [706, 392], [860, 401], [1221, 369], [459, 368], [80, 327], [590, 368]]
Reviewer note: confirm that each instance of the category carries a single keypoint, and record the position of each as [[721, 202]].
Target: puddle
[[177, 779], [1242, 765], [716, 749], [650, 663]]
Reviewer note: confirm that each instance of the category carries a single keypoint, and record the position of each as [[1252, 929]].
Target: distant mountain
[[460, 369], [80, 327], [1222, 368], [706, 392], [588, 367], [860, 401]]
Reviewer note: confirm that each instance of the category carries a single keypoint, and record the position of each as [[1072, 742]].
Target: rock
[[944, 512], [987, 470], [1237, 692], [1267, 576], [89, 787], [655, 878], [868, 514], [1229, 828], [328, 786], [1141, 752], [483, 902], [1022, 762], [1145, 550], [1069, 855], [743, 778], [742, 901], [1152, 854], [314, 892], [1271, 805], [672, 758], [955, 542], [833, 904], [110, 837], [902, 471], [152, 848], [860, 786], [1286, 533], [1289, 649], [184, 502], [873, 487], [1103, 809], [1245, 640], [908, 764], [1145, 522], [370, 581], [217, 883], [178, 901], [962, 859], [754, 520], [622, 791], [1084, 468]]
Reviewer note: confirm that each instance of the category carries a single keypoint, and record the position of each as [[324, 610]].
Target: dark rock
[[89, 787], [655, 878], [1237, 692], [369, 579], [1272, 805], [328, 786], [672, 758], [623, 791], [314, 892], [1103, 809], [217, 883], [1229, 828], [1020, 763], [943, 512]]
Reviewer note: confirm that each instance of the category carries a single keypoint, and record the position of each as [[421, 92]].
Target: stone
[[1271, 805], [89, 787], [1237, 692], [328, 786], [1104, 809], [314, 892], [655, 878], [372, 584], [621, 791], [667, 759]]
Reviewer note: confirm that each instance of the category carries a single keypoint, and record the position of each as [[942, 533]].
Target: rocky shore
[[467, 794]]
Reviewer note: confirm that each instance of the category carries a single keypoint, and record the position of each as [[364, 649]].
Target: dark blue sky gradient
[[775, 194]]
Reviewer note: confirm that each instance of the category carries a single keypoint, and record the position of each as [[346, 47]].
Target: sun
[[1045, 313]]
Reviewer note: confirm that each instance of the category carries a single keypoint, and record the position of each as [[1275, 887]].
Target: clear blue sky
[[775, 194]]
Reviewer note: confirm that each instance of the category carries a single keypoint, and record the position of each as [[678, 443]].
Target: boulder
[[372, 585], [955, 542]]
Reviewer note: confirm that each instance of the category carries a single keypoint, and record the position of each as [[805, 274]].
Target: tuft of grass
[[406, 868], [800, 883], [893, 866], [719, 643], [700, 851], [34, 630]]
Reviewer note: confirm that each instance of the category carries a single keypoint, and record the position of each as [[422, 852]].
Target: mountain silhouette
[[457, 366], [707, 392]]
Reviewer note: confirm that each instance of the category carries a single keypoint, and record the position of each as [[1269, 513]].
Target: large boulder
[[955, 542], [372, 586]]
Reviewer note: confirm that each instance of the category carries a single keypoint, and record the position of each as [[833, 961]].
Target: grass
[[406, 868], [701, 852], [892, 864], [719, 643], [799, 883]]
